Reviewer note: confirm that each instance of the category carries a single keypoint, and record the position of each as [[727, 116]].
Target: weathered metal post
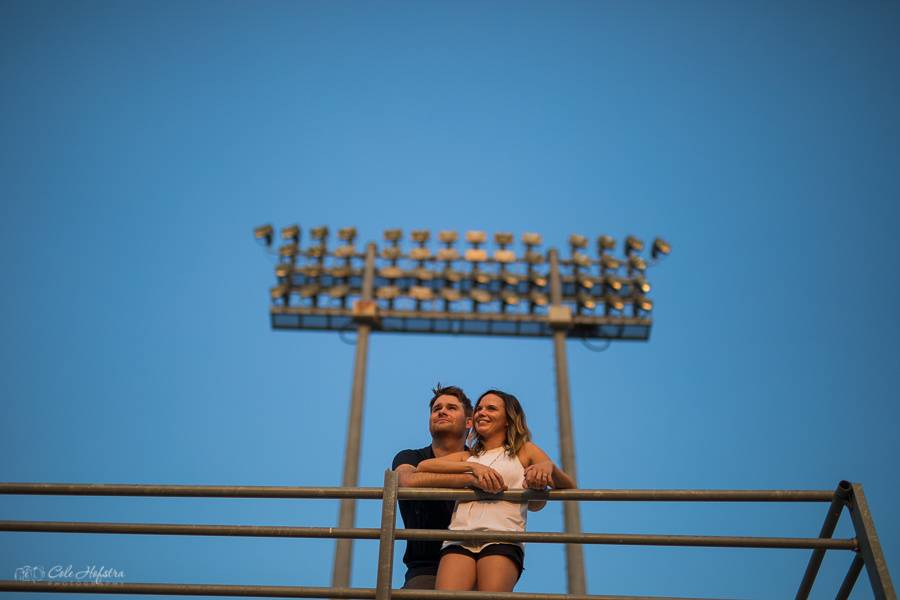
[[870, 546], [560, 318], [343, 553], [386, 545]]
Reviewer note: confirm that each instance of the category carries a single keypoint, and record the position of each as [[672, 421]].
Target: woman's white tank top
[[493, 515]]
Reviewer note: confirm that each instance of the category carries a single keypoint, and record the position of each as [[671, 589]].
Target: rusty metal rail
[[373, 493], [865, 545], [186, 589]]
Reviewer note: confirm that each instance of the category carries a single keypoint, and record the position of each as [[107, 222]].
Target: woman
[[501, 456]]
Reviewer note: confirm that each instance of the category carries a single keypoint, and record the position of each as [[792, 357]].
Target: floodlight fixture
[[391, 253], [347, 234], [480, 296], [420, 254], [476, 237], [448, 237], [577, 241], [339, 291], [608, 262], [509, 298], [280, 292], [288, 250], [421, 293], [388, 292], [283, 269], [476, 255], [264, 232], [346, 251], [606, 243], [504, 256], [632, 245], [503, 239], [641, 284], [450, 295], [660, 246], [420, 236], [292, 232], [581, 260], [636, 263], [612, 283], [448, 255], [319, 234], [532, 239], [642, 304], [538, 298], [310, 290], [613, 302], [585, 300]]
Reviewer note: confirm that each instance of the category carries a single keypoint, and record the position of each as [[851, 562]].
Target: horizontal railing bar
[[191, 529], [428, 534], [193, 491], [624, 495], [184, 589], [370, 493], [629, 539]]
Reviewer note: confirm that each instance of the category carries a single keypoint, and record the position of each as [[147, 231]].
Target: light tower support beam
[[343, 552], [561, 319]]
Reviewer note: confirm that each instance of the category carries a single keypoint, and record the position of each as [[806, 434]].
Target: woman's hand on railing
[[487, 479], [539, 476]]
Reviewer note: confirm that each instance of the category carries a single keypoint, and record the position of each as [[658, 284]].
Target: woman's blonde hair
[[517, 432]]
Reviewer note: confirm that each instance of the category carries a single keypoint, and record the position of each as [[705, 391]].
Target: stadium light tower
[[501, 293]]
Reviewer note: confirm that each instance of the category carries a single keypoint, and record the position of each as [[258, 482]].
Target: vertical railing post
[[831, 518], [869, 546], [343, 552], [386, 543], [560, 318]]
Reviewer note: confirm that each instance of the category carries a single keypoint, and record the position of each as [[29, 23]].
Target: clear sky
[[141, 142]]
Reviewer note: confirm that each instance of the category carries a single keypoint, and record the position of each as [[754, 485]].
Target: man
[[449, 422]]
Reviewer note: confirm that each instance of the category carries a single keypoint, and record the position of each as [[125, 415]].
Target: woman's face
[[490, 416]]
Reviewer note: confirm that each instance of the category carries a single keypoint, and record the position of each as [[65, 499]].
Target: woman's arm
[[451, 464], [541, 472], [486, 479]]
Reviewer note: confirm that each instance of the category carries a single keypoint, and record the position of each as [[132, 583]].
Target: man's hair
[[517, 432], [451, 390]]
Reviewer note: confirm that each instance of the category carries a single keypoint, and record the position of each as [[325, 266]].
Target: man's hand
[[539, 476], [487, 479]]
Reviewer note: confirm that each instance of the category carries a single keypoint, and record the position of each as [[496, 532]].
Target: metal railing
[[865, 545]]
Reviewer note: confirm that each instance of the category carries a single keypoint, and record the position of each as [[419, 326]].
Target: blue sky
[[141, 142]]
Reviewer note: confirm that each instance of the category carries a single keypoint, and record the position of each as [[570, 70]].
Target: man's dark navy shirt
[[422, 557]]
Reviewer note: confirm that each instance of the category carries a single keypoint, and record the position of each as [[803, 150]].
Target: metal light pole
[[343, 552], [561, 321]]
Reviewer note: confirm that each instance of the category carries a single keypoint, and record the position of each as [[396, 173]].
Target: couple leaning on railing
[[500, 456]]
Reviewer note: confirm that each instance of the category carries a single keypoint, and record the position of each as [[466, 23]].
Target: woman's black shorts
[[513, 552]]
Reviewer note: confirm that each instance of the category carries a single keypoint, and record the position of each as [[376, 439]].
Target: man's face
[[448, 417]]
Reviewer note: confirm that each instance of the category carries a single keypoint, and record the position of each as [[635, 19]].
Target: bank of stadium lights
[[419, 280]]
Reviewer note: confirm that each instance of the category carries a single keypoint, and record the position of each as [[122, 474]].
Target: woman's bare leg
[[496, 573], [455, 572]]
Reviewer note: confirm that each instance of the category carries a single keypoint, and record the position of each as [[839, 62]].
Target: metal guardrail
[[865, 544]]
